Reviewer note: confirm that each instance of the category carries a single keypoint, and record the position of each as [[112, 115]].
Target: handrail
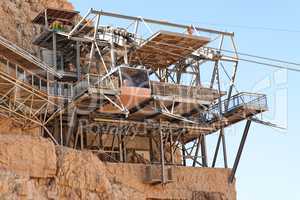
[[28, 56], [168, 89], [87, 81], [70, 91], [44, 85], [246, 99], [50, 87]]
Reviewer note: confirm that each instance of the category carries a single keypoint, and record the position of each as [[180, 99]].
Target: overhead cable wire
[[254, 118], [272, 29], [259, 57], [241, 59], [270, 65]]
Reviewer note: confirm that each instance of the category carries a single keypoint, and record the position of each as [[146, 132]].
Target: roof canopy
[[64, 16], [165, 48]]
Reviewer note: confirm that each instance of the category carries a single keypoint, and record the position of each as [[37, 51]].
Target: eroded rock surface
[[16, 17], [33, 168], [81, 175], [27, 155]]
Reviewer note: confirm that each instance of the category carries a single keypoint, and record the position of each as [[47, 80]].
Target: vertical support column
[[216, 151], [42, 131], [81, 137], [78, 60], [224, 148], [162, 157], [240, 151], [112, 52], [91, 57], [93, 43], [231, 85], [56, 131], [61, 129], [125, 52], [136, 29], [198, 75], [124, 149], [172, 148], [46, 19], [48, 84], [72, 126], [233, 73], [151, 147], [120, 145], [216, 63], [221, 138], [76, 137], [213, 77], [197, 151], [221, 118], [219, 92], [203, 151], [40, 84], [183, 154], [54, 51]]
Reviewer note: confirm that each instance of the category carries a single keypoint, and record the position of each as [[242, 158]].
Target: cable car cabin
[[145, 99], [134, 87]]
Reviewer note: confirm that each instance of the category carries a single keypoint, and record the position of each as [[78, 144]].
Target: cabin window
[[135, 78], [3, 64], [3, 61]]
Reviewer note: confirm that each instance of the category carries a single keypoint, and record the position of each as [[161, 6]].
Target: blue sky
[[269, 168]]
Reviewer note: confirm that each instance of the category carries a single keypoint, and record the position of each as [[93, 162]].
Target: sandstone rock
[[123, 192], [16, 187], [81, 174], [16, 17], [27, 155], [8, 126], [11, 185], [208, 196], [189, 183]]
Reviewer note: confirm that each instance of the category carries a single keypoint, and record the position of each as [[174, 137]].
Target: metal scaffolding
[[139, 81]]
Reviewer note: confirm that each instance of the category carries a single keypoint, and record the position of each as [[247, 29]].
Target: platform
[[165, 48], [52, 14]]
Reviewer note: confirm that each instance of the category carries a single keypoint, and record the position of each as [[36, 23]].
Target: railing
[[167, 89], [23, 75], [91, 80], [64, 90], [64, 69], [81, 86], [14, 48], [246, 100], [51, 88]]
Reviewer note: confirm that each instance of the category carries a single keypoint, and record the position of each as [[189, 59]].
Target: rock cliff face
[[16, 16], [33, 168]]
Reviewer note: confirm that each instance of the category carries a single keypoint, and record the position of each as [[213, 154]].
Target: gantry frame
[[196, 148], [112, 48]]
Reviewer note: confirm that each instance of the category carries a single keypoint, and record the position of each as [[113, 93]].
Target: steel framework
[[184, 112]]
